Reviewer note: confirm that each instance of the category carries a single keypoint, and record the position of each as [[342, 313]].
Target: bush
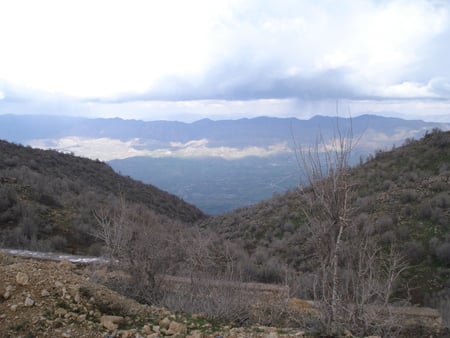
[[443, 253]]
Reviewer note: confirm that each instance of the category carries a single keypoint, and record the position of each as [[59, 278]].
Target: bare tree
[[352, 271], [141, 243], [326, 170]]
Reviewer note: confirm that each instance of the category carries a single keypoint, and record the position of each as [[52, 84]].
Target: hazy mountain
[[216, 165], [261, 131]]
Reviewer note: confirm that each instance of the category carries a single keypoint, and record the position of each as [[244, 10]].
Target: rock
[[164, 323], [14, 307], [60, 312], [28, 301], [127, 333], [156, 328], [176, 328], [146, 329], [111, 322], [58, 284], [22, 278], [8, 292], [195, 334], [45, 293], [153, 335], [347, 333]]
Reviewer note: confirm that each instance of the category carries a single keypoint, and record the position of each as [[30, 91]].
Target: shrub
[[443, 253]]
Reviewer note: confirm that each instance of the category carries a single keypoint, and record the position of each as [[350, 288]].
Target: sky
[[225, 59]]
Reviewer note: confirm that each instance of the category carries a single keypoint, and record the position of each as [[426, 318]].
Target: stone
[[14, 307], [58, 284], [8, 292], [128, 333], [22, 278], [164, 323], [156, 328], [45, 293], [153, 335], [146, 329], [347, 333], [195, 334], [111, 322], [177, 328], [28, 301], [60, 312]]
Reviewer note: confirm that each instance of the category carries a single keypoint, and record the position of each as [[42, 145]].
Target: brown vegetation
[[47, 199]]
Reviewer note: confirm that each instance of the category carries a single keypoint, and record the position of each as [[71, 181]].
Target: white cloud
[[104, 149], [167, 59], [107, 149]]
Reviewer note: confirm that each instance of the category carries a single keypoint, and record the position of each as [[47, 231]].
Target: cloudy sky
[[191, 59]]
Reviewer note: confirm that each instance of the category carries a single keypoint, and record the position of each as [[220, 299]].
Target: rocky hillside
[[62, 299], [48, 199]]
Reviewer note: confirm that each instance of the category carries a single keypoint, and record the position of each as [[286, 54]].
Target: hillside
[[62, 299], [402, 195], [48, 199]]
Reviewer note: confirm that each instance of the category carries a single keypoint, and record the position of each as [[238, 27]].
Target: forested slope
[[48, 199]]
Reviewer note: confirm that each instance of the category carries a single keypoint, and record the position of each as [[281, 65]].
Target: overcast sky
[[191, 59]]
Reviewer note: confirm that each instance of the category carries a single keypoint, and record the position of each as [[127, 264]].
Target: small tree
[[352, 270], [141, 243]]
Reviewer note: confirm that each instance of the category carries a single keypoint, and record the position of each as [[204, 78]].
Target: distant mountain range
[[216, 165]]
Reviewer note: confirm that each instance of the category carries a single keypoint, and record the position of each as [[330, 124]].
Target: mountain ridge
[[29, 127]]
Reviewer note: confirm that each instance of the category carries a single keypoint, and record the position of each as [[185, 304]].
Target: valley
[[398, 217]]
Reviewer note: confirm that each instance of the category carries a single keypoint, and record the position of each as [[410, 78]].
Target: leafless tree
[[353, 271], [141, 243]]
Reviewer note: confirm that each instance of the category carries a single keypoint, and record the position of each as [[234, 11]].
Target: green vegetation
[[402, 195]]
